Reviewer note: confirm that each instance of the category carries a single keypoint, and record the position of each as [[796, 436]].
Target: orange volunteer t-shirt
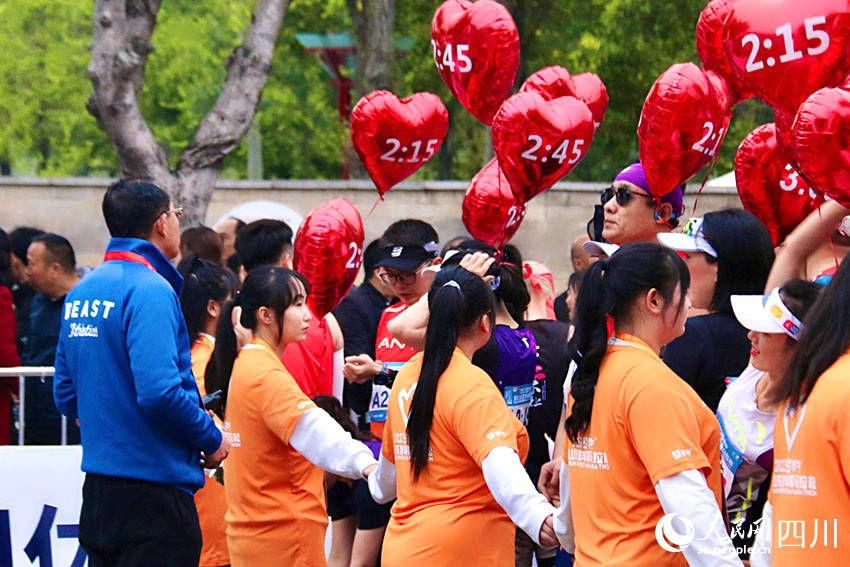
[[449, 517], [810, 490], [276, 499], [647, 424], [394, 354], [210, 500]]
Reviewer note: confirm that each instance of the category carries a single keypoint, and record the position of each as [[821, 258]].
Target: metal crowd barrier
[[22, 373]]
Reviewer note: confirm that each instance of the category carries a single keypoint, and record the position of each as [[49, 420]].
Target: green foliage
[[45, 83]]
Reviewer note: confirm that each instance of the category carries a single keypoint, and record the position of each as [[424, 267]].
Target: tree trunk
[[374, 22], [120, 49]]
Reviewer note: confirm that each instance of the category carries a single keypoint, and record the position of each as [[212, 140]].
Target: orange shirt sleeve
[[283, 402], [481, 419], [664, 429]]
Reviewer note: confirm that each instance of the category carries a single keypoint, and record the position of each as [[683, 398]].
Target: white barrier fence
[[22, 373], [40, 500]]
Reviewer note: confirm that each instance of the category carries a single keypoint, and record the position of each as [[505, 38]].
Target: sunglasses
[[623, 194]]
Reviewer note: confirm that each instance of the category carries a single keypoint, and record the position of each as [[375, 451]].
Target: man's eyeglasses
[[404, 278], [178, 212], [623, 195]]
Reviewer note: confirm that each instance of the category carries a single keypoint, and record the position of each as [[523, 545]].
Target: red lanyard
[[128, 257]]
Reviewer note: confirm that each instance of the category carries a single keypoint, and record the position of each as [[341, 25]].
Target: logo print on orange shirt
[[404, 396]]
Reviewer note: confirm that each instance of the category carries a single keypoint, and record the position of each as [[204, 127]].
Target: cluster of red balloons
[[539, 135], [792, 55]]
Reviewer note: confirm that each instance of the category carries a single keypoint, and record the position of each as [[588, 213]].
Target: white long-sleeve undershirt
[[513, 490], [323, 442]]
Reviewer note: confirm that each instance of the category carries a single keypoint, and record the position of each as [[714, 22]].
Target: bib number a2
[[378, 404]]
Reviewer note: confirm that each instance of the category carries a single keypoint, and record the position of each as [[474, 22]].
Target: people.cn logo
[[667, 536]]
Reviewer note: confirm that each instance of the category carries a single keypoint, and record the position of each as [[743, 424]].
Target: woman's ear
[[654, 302], [213, 309], [484, 323]]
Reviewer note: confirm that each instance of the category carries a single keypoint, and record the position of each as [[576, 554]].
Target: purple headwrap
[[635, 174]]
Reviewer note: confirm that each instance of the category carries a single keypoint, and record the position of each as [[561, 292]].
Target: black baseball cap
[[407, 258]]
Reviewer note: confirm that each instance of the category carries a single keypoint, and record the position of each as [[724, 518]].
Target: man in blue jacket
[[123, 369]]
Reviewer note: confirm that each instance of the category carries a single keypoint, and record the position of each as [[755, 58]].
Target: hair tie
[[452, 283]]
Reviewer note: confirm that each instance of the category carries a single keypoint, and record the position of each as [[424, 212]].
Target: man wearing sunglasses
[[633, 214]]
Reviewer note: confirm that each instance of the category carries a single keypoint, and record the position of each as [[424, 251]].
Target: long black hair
[[5, 259], [265, 286], [745, 254], [825, 337], [611, 287], [203, 282], [507, 269], [457, 300]]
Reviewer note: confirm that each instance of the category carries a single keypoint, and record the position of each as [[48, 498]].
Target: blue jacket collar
[[152, 254]]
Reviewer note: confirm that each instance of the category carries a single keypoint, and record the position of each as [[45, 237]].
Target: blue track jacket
[[123, 367]]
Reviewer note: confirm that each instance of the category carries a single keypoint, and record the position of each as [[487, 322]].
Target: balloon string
[[375, 206], [704, 181]]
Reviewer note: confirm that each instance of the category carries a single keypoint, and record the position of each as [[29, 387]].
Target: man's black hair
[[409, 232], [370, 257], [21, 238], [59, 250], [263, 243], [131, 208]]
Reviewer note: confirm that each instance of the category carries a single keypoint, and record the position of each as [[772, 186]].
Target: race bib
[[519, 400], [378, 404]]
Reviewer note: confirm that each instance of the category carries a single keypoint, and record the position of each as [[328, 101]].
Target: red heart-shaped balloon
[[539, 141], [784, 50], [476, 50], [783, 126], [554, 82], [591, 90], [550, 82], [491, 213], [820, 134], [329, 251], [769, 186], [682, 124], [710, 46], [396, 137]]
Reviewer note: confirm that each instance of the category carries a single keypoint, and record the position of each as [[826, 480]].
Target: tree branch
[[120, 49], [234, 111]]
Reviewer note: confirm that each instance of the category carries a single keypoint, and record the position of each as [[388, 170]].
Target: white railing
[[22, 373]]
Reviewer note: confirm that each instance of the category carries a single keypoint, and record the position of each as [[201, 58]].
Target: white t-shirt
[[746, 444]]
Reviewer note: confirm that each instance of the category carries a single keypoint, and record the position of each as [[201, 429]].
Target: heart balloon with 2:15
[[785, 50], [418, 150]]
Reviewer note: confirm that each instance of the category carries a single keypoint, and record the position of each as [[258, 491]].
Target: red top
[[8, 357], [311, 362]]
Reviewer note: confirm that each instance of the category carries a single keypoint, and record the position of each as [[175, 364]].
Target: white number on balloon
[[791, 54], [791, 182], [709, 136], [559, 154], [445, 57], [515, 215], [355, 260], [417, 147]]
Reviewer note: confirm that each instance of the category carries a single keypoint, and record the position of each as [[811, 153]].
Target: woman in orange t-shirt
[[206, 287], [642, 448], [281, 441], [807, 518], [451, 448]]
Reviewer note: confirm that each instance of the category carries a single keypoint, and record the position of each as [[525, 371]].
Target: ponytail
[[456, 301], [588, 345], [220, 365], [610, 288]]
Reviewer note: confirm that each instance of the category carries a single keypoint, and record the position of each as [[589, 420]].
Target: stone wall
[[71, 207]]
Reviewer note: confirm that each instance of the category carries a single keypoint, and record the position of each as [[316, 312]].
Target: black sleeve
[[686, 356], [356, 329]]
